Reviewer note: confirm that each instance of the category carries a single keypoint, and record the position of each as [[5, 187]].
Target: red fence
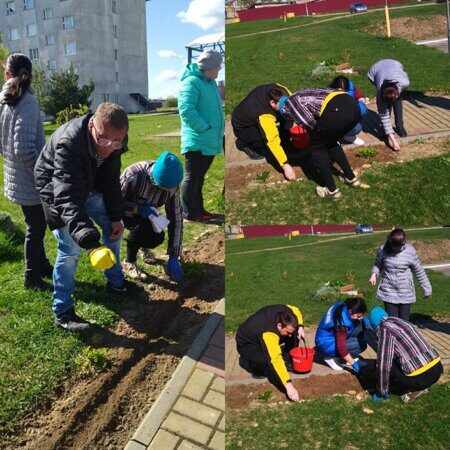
[[251, 231], [274, 12]]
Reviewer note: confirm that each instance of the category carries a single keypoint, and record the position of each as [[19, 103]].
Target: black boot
[[35, 282], [47, 271], [401, 132]]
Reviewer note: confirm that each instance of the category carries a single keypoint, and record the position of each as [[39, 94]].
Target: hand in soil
[[291, 392], [393, 143], [289, 172]]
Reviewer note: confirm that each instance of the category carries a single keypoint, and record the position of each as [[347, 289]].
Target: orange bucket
[[302, 359], [299, 137]]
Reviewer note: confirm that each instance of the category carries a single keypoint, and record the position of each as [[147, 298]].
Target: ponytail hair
[[395, 240], [19, 68], [355, 305]]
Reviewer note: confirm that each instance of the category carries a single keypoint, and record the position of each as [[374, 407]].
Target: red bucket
[[299, 137], [302, 359]]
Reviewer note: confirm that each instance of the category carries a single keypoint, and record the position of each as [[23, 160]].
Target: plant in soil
[[192, 269], [264, 396], [262, 176], [92, 360], [367, 152]]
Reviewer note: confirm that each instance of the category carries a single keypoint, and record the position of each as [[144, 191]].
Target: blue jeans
[[355, 131], [356, 343], [69, 254]]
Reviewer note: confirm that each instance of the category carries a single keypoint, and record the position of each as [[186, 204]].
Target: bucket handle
[[305, 344]]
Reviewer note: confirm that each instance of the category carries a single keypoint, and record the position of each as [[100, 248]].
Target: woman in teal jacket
[[202, 129]]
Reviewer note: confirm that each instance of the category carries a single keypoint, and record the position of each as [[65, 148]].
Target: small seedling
[[264, 396], [192, 269], [367, 152], [92, 360], [418, 141], [262, 176]]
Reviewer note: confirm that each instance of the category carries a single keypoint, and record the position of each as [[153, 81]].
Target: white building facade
[[103, 39]]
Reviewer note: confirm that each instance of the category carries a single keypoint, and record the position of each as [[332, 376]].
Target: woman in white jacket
[[21, 141]]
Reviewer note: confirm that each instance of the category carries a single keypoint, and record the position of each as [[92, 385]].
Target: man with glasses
[[264, 341], [146, 186], [78, 179]]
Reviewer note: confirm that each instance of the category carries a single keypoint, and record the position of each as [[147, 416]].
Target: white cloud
[[206, 14], [168, 54], [167, 75]]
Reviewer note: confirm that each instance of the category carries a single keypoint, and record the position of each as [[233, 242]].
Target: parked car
[[360, 228], [357, 7]]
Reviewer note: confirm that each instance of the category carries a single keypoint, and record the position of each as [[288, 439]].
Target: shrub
[[92, 360], [70, 113], [325, 293]]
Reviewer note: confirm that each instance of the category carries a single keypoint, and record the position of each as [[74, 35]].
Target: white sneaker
[[132, 271], [147, 256], [323, 192], [354, 182], [358, 141], [334, 364]]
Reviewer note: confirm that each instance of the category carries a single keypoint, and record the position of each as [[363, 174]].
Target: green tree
[[171, 102], [3, 54], [62, 91], [39, 84]]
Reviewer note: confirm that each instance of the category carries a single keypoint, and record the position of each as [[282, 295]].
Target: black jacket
[[66, 172]]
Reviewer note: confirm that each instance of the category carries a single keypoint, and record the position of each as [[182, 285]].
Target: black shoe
[[124, 288], [71, 322], [401, 132], [47, 271], [37, 283]]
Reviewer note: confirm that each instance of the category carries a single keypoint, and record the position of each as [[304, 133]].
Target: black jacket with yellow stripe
[[255, 111], [261, 328]]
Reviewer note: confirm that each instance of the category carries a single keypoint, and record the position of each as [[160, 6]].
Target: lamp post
[[388, 22], [448, 26]]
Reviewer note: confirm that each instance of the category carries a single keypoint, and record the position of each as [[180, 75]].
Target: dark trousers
[[196, 166], [258, 363], [418, 382], [141, 234], [340, 116], [398, 113], [36, 261], [398, 310]]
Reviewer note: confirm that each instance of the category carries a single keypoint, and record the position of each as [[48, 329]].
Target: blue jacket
[[201, 112], [362, 106], [326, 332]]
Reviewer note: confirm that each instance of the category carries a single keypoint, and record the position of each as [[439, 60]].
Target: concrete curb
[[161, 407]]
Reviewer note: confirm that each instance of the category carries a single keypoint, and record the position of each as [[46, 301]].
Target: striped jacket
[[400, 342], [138, 188], [303, 107]]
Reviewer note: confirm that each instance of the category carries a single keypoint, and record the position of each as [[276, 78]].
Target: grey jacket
[[396, 269], [387, 70], [21, 141]]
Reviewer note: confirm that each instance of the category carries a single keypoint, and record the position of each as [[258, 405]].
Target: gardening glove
[[174, 269], [377, 397], [367, 323], [145, 210], [102, 258], [356, 367]]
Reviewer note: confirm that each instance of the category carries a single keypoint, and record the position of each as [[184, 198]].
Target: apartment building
[[102, 39]]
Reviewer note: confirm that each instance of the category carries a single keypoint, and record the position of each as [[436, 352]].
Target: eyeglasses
[[103, 142]]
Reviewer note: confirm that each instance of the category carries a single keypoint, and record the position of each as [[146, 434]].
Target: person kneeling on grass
[[259, 341], [146, 186], [328, 115], [341, 334], [404, 356]]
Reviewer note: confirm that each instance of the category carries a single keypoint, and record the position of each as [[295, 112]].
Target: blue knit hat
[[167, 172], [376, 316], [281, 103]]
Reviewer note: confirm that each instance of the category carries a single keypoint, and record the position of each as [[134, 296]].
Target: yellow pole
[[388, 22], [290, 236], [284, 16]]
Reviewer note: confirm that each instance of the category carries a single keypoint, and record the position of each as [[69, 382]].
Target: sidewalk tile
[[218, 385], [216, 400], [187, 428], [218, 441], [197, 411], [197, 384], [219, 363], [211, 368], [133, 445], [165, 440], [222, 424], [186, 445]]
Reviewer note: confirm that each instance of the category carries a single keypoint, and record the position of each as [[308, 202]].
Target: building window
[[51, 64], [28, 4], [48, 13], [115, 31], [49, 39], [10, 8], [70, 48], [114, 6], [13, 34], [116, 54], [31, 30], [106, 97], [67, 22], [34, 53]]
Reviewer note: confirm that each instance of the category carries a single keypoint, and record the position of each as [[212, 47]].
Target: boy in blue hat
[[404, 356], [146, 186]]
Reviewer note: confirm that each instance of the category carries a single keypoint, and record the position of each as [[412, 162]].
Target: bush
[[325, 293], [171, 102], [321, 71], [70, 113], [92, 360]]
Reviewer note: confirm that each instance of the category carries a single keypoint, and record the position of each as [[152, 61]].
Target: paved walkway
[[424, 117], [437, 333], [439, 44], [194, 417]]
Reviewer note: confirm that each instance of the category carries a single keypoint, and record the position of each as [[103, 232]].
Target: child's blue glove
[[145, 210], [356, 367], [174, 268], [367, 323], [377, 397]]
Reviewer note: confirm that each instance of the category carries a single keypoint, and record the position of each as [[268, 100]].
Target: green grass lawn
[[35, 355], [287, 57], [254, 280], [340, 423]]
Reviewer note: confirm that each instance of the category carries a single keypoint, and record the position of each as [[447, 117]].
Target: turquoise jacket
[[201, 112]]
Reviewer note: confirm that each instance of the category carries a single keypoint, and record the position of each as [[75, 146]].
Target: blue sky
[[171, 24]]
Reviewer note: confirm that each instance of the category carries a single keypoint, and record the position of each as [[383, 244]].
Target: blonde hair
[[111, 114]]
